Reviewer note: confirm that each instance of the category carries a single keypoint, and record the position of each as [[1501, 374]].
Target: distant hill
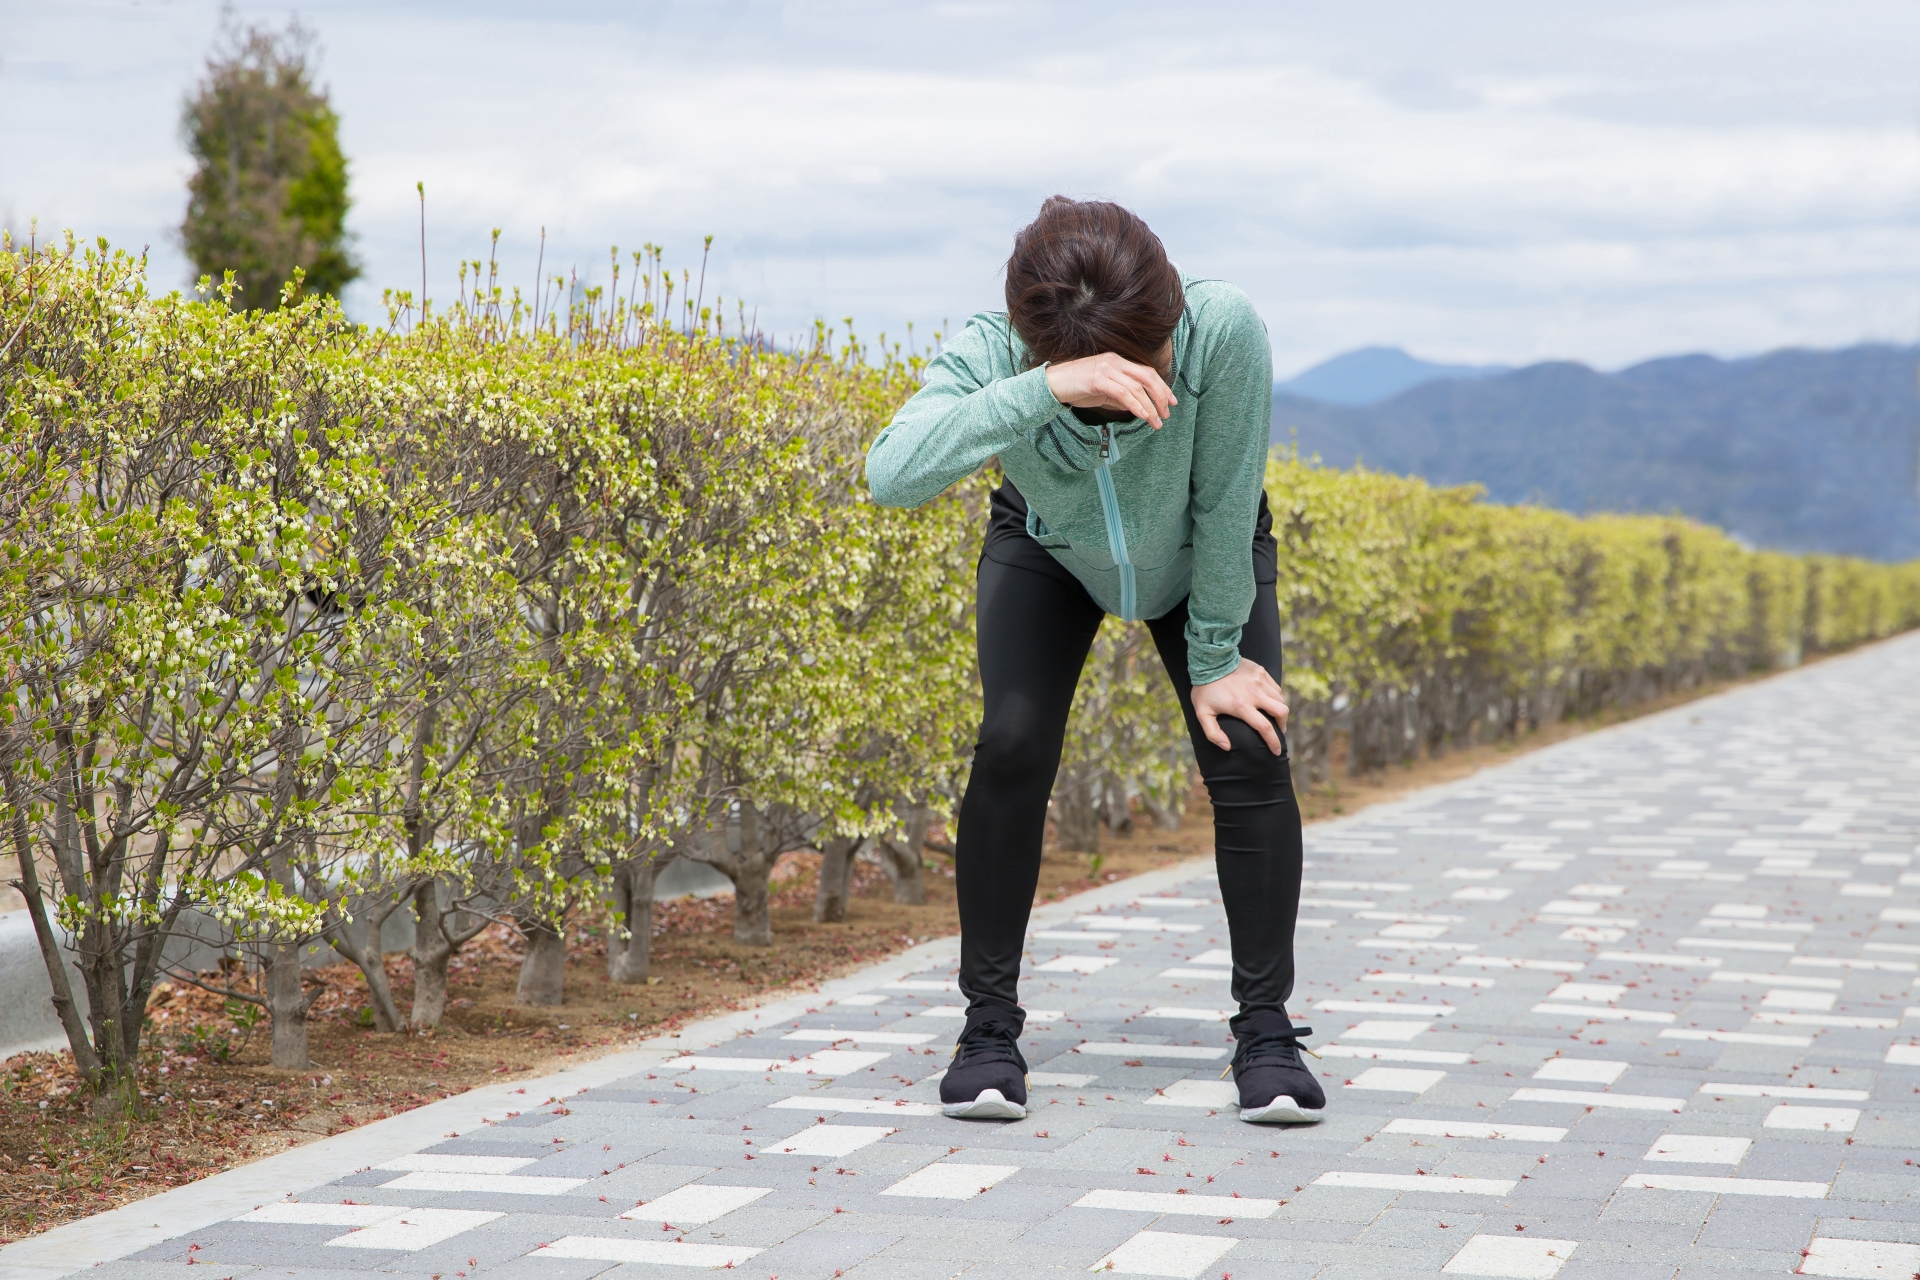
[[1795, 450], [1373, 374]]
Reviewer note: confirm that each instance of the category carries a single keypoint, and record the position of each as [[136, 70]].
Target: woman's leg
[[1256, 840], [1034, 632], [1256, 821]]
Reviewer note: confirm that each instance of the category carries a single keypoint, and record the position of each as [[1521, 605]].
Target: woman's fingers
[[1210, 725], [1139, 390], [1251, 713], [1107, 381], [1130, 393]]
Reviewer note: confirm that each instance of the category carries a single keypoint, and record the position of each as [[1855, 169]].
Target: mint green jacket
[[1141, 517]]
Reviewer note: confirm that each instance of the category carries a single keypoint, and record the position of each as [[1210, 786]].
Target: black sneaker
[[1275, 1086], [988, 1077]]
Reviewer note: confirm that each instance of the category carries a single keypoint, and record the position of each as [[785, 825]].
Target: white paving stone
[[946, 1181], [1581, 1070], [695, 1203], [1137, 924], [1727, 1186], [1203, 1206], [511, 1184], [1433, 980], [1735, 1037], [1808, 1091], [1687, 1148], [1435, 1184], [323, 1215], [1165, 1253], [1825, 1119], [414, 1229], [1381, 1053], [1397, 1080], [1585, 1098], [659, 1253], [1476, 1129], [1197, 1093], [861, 1106], [829, 1140], [827, 1035], [1077, 964], [1407, 1009], [1381, 1029], [1605, 1013], [1184, 1013], [1522, 1259], [1121, 1049], [1865, 1259]]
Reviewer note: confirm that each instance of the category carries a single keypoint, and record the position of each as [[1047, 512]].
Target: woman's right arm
[[963, 415]]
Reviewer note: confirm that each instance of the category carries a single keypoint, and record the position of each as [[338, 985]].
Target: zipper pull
[[1106, 441]]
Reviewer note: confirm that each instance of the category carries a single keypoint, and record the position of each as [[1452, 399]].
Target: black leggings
[[1035, 629]]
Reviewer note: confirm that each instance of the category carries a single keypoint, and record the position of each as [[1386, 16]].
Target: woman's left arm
[[1230, 438]]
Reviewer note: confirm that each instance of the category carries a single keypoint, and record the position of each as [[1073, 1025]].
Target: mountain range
[[1373, 374], [1795, 450]]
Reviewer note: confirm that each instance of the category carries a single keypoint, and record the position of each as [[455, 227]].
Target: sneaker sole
[[1282, 1110], [990, 1105]]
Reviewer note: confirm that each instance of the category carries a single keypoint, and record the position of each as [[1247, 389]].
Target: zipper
[[1116, 535]]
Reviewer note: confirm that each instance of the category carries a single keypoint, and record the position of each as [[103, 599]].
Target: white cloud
[[1518, 182]]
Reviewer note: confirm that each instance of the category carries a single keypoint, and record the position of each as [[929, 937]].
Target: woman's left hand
[[1248, 694]]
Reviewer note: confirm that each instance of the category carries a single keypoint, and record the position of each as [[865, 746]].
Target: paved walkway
[[1631, 1006]]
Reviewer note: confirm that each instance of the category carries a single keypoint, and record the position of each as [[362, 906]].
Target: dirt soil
[[212, 1102]]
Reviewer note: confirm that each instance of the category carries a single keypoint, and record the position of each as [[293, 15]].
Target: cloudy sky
[[1494, 180]]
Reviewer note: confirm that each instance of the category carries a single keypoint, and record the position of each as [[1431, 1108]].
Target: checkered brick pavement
[[1633, 1006]]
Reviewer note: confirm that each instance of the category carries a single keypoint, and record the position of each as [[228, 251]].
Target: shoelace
[[1283, 1045], [990, 1038]]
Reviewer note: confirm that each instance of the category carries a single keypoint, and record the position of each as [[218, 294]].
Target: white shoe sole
[[1282, 1110], [990, 1105]]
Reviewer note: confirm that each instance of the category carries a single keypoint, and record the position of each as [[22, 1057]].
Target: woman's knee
[[1248, 774], [1015, 751]]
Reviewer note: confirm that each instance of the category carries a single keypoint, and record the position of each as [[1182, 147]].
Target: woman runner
[[1129, 407]]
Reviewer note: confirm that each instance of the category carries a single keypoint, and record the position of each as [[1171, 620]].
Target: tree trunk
[[52, 954], [543, 970], [431, 951], [287, 1007], [1116, 806], [1076, 820], [903, 860], [1165, 816], [836, 879], [752, 926], [629, 958], [371, 961]]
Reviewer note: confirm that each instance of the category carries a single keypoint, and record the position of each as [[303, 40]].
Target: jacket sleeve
[[964, 414], [1231, 430]]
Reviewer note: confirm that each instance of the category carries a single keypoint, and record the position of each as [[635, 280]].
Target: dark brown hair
[[1088, 276]]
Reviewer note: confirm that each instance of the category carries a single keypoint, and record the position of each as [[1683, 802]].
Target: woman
[[1129, 407]]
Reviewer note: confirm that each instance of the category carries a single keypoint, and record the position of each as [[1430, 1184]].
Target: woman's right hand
[[1107, 381]]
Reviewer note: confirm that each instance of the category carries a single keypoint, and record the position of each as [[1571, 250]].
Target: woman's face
[[1163, 361]]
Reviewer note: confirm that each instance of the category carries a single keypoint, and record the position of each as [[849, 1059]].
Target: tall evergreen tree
[[269, 188]]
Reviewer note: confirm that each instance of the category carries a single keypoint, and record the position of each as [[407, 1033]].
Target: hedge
[[485, 616]]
